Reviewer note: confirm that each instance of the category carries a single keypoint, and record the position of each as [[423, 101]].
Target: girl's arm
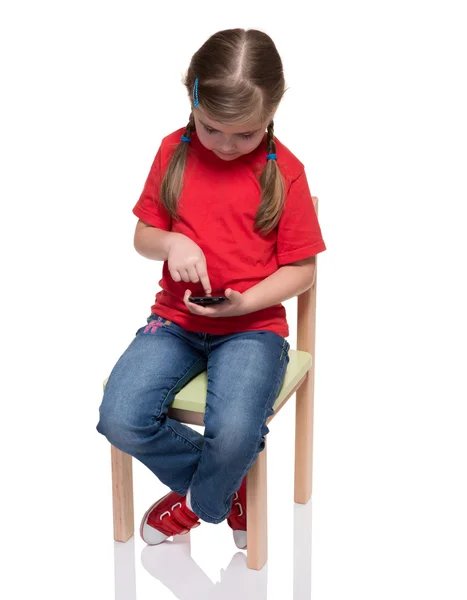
[[151, 242], [285, 283], [185, 259]]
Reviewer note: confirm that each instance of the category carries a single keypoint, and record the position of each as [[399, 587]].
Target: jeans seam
[[206, 408], [264, 422], [164, 398], [184, 438], [285, 343]]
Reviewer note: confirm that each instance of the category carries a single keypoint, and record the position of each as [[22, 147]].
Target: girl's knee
[[235, 445], [117, 431], [126, 417], [126, 431]]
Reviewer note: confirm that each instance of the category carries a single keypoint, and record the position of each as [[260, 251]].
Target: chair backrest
[[306, 312]]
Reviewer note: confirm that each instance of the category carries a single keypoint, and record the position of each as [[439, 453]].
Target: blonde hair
[[240, 77]]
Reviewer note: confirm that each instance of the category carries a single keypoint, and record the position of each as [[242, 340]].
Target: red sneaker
[[237, 517], [168, 516]]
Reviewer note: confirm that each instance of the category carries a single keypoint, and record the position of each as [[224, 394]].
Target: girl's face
[[228, 141]]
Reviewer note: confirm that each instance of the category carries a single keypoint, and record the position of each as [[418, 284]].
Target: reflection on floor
[[172, 564]]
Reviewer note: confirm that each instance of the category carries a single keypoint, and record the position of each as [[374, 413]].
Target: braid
[[270, 141], [190, 128], [172, 184], [272, 190]]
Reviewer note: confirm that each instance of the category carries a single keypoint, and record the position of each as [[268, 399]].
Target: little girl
[[228, 209]]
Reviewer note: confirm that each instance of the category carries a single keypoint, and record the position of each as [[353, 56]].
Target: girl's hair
[[240, 77]]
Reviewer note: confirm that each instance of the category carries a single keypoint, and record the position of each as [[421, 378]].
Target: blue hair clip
[[186, 139], [272, 156], [195, 93]]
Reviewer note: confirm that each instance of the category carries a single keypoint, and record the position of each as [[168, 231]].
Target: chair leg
[[122, 495], [257, 518], [304, 440]]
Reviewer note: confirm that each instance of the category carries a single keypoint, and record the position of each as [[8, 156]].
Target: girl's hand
[[186, 261], [234, 306]]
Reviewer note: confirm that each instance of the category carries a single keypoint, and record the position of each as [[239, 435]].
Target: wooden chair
[[188, 407]]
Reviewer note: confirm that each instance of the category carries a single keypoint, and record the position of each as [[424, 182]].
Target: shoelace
[[239, 504], [233, 518], [178, 521]]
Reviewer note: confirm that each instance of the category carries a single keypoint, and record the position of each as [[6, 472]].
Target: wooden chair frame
[[257, 544]]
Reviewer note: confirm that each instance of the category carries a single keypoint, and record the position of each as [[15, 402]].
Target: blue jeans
[[245, 375]]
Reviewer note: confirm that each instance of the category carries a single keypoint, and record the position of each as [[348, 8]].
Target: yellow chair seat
[[193, 395]]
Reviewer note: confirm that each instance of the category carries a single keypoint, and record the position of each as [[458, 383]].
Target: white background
[[376, 112]]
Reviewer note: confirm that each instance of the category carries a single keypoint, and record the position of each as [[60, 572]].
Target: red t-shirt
[[217, 209]]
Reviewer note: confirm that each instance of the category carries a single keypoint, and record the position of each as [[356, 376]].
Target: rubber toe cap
[[240, 538], [153, 536]]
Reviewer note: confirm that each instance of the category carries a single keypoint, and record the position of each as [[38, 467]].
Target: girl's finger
[[175, 275], [193, 274], [203, 277], [185, 276], [232, 294], [190, 305], [196, 308]]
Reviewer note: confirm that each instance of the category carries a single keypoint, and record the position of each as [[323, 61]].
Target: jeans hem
[[204, 516], [182, 492]]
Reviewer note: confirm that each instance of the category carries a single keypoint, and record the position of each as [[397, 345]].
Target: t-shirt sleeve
[[149, 207], [299, 234]]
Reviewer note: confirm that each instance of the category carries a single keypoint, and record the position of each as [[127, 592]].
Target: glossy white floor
[[180, 568]]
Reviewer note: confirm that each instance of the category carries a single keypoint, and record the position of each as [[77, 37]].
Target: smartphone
[[206, 300]]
